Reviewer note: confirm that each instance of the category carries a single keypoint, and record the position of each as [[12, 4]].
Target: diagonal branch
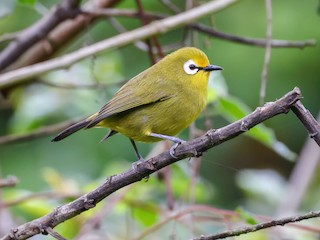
[[275, 43], [189, 149], [60, 36], [161, 26], [309, 122], [67, 9]]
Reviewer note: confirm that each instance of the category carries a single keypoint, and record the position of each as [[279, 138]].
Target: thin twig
[[257, 227], [189, 149], [10, 181], [180, 214], [267, 55], [141, 44], [8, 36], [275, 43], [41, 132], [218, 215], [195, 165], [309, 122], [32, 196], [300, 178], [92, 222], [148, 41], [71, 86], [170, 6]]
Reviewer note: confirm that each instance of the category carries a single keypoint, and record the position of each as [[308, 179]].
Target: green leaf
[[27, 2], [246, 216], [202, 192], [147, 214], [233, 109]]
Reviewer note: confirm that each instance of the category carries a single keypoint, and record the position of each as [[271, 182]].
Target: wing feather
[[137, 92]]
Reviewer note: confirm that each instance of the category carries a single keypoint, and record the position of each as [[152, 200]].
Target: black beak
[[211, 68]]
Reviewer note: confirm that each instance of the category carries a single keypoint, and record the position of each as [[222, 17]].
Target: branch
[[297, 186], [223, 214], [267, 55], [41, 132], [67, 9], [189, 149], [8, 37], [24, 74], [32, 196], [275, 43], [257, 227], [10, 181], [309, 122], [60, 36]]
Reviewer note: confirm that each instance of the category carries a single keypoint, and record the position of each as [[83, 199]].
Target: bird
[[156, 104]]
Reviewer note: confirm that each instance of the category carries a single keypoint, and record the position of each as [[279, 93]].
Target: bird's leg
[[140, 158], [176, 140]]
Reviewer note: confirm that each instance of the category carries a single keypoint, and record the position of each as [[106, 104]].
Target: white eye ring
[[190, 67]]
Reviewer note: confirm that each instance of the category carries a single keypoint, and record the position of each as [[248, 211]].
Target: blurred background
[[248, 174]]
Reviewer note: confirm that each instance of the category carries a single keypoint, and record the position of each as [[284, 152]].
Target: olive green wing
[[137, 92]]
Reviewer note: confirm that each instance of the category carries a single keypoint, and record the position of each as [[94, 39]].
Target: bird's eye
[[190, 67]]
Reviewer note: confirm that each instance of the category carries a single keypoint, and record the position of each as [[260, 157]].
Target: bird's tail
[[72, 129]]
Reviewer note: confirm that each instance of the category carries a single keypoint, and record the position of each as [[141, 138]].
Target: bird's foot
[[174, 147], [135, 166]]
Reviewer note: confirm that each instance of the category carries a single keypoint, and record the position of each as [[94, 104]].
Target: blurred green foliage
[[80, 163]]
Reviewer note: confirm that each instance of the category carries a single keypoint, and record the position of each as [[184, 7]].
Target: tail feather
[[72, 129]]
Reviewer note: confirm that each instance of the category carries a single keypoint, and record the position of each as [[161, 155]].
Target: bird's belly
[[162, 117]]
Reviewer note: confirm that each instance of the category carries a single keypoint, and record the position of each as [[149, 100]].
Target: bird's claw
[[136, 164], [173, 148]]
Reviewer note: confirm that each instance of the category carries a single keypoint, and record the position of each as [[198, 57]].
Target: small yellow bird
[[158, 103]]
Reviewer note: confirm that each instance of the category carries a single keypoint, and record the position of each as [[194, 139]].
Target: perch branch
[[189, 149]]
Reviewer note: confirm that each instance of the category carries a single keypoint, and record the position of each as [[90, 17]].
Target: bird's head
[[188, 64]]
